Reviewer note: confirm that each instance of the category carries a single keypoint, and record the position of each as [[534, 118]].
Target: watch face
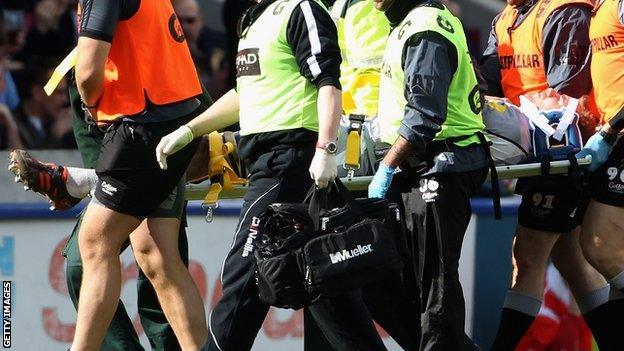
[[331, 147]]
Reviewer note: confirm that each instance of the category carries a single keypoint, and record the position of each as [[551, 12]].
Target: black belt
[[438, 146]]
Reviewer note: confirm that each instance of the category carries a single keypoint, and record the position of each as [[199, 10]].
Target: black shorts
[[607, 183], [553, 204], [130, 180]]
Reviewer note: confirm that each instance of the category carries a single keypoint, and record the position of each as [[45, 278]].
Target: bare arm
[[223, 113], [92, 54], [329, 110], [398, 153]]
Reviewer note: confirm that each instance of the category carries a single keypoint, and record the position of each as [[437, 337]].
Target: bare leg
[[101, 235], [602, 239], [568, 257], [155, 246], [531, 250]]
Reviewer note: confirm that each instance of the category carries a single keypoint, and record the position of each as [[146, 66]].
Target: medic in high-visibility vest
[[288, 103], [536, 45], [431, 126], [362, 34]]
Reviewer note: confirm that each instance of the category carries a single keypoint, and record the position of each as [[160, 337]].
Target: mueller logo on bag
[[253, 234], [248, 63], [344, 255]]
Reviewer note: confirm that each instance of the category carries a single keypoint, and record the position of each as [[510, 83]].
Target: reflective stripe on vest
[[365, 31], [607, 66], [520, 52], [463, 115], [272, 92], [149, 57]]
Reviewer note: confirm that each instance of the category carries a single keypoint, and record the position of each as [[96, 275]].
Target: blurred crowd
[[35, 35]]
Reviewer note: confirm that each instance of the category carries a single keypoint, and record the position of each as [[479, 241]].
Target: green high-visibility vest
[[364, 32], [272, 92], [463, 115]]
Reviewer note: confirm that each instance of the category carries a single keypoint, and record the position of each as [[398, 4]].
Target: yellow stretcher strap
[[354, 139], [60, 71], [222, 175]]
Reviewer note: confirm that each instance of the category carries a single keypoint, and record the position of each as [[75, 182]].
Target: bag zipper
[[324, 222]]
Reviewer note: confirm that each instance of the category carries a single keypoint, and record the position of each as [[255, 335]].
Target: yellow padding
[[365, 79], [352, 150], [60, 71], [220, 168], [348, 104], [360, 81]]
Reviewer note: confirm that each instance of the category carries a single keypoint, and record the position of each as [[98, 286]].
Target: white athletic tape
[[566, 119], [537, 119]]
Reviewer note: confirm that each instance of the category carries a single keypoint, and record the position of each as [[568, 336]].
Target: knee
[[150, 262], [525, 263], [606, 258], [96, 250], [154, 265]]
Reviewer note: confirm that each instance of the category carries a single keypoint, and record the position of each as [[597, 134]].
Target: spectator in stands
[[53, 33], [44, 122], [9, 136], [8, 91], [13, 29], [207, 48]]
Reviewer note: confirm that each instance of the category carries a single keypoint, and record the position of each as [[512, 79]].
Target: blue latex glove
[[381, 181], [598, 148]]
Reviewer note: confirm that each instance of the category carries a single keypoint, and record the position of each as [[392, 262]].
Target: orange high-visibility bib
[[520, 52], [607, 66], [149, 59]]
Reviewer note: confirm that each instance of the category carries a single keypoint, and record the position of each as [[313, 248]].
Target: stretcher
[[199, 191]]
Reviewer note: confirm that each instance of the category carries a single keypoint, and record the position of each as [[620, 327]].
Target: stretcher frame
[[198, 191]]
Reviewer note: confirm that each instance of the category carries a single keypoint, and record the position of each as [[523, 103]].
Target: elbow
[[89, 83]]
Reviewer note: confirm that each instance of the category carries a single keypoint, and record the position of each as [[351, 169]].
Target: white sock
[[80, 181], [618, 281]]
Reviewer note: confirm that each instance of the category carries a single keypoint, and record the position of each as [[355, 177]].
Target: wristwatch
[[610, 138], [329, 147]]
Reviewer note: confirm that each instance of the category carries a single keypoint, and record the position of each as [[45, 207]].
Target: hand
[[381, 181], [172, 143], [598, 148], [323, 168]]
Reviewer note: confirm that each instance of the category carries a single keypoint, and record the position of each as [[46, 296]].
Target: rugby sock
[[519, 311], [80, 181], [618, 282], [602, 310]]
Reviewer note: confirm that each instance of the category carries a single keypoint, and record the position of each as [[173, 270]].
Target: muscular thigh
[[104, 230], [158, 236], [604, 226]]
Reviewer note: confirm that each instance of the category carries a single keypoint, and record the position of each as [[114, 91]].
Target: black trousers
[[393, 302], [437, 214], [279, 175]]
